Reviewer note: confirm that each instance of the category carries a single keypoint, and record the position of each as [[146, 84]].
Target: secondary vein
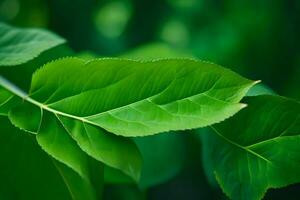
[[240, 146]]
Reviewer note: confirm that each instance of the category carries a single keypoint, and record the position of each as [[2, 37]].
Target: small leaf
[[6, 99], [18, 46], [57, 143], [79, 188], [28, 68], [108, 148], [4, 96], [258, 148], [19, 116], [260, 89]]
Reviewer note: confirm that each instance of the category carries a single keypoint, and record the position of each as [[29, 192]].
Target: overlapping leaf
[[56, 137], [132, 98], [256, 90], [18, 46], [257, 149], [71, 99], [163, 163], [28, 173], [5, 100]]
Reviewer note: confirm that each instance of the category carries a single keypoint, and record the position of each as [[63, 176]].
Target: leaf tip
[[243, 105], [256, 82]]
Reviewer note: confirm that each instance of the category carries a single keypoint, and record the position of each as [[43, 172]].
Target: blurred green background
[[256, 38]]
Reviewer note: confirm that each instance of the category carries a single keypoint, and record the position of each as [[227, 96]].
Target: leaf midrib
[[18, 92], [12, 88], [240, 146]]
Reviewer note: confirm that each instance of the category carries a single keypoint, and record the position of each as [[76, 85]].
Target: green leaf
[[260, 89], [113, 176], [26, 172], [6, 99], [163, 163], [79, 188], [131, 98], [258, 148], [27, 69], [156, 168], [127, 98], [115, 151], [56, 142], [18, 46], [4, 96]]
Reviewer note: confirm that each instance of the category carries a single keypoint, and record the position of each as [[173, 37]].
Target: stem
[[96, 168], [12, 88], [20, 93]]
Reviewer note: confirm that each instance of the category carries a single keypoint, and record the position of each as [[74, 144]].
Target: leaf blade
[[114, 151], [99, 93], [253, 150], [173, 94], [23, 168], [18, 46]]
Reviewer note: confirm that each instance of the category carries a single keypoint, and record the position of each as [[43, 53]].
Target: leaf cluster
[[96, 121]]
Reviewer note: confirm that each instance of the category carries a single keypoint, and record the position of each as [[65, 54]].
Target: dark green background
[[257, 38]]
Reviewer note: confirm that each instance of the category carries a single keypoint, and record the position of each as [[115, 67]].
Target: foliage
[[253, 150], [82, 124]]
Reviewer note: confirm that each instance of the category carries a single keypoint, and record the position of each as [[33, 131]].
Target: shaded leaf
[[53, 139], [257, 149], [79, 188], [156, 51], [105, 147], [23, 166], [207, 155], [27, 69], [56, 142], [163, 157], [18, 46], [6, 99], [259, 89]]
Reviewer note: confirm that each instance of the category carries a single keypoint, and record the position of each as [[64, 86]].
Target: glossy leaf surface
[[71, 99], [131, 98]]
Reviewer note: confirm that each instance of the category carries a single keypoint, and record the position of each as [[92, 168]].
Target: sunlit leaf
[[86, 99], [131, 98]]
